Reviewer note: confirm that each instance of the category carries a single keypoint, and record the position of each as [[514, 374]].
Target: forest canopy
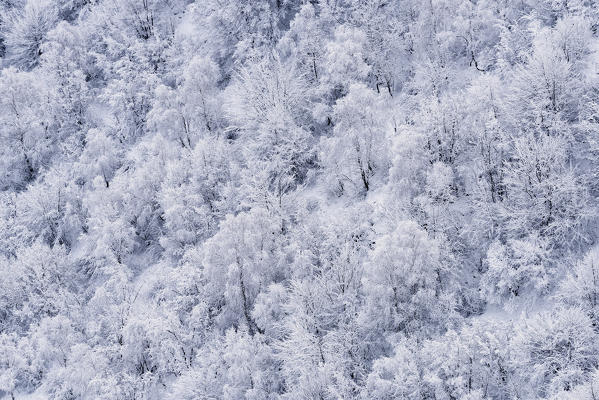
[[299, 199]]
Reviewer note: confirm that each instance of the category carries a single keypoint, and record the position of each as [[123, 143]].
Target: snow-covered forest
[[299, 199]]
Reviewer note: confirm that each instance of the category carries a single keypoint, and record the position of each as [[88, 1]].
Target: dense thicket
[[293, 199]]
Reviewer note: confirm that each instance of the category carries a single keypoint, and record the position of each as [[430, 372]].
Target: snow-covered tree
[[404, 282], [356, 156], [26, 141], [24, 31]]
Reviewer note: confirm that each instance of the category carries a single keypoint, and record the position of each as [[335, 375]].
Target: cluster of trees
[[293, 199]]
